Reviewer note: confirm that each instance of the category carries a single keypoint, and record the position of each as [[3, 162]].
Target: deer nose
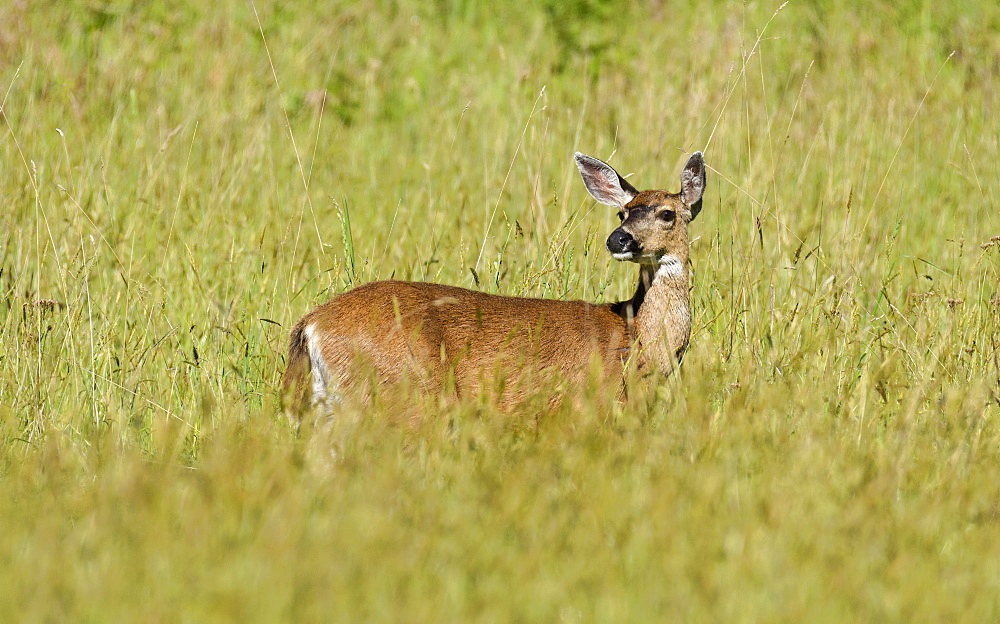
[[621, 241]]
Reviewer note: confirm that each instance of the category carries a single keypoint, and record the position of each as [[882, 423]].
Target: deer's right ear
[[603, 182]]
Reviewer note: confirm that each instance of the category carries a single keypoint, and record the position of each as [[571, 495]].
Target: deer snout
[[622, 245]]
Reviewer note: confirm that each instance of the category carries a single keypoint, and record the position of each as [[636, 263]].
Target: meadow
[[181, 181]]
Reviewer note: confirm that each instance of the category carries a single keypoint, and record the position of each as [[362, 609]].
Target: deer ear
[[693, 183], [603, 182]]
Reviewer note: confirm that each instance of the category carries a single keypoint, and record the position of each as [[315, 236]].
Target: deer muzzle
[[622, 245]]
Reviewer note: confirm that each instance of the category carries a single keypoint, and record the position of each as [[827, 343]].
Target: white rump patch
[[671, 266], [322, 393]]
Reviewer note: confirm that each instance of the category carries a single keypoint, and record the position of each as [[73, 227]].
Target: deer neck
[[660, 312]]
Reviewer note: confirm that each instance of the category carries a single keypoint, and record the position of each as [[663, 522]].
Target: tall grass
[[181, 181]]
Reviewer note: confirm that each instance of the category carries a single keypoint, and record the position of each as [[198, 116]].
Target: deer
[[434, 334]]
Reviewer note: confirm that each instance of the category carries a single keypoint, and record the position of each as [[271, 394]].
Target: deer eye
[[621, 215], [667, 215]]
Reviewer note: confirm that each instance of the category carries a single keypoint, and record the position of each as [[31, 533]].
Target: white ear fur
[[603, 182], [693, 183], [693, 179]]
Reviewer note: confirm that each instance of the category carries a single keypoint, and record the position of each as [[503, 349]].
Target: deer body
[[428, 332], [425, 331]]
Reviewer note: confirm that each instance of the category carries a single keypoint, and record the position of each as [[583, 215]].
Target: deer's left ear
[[693, 183]]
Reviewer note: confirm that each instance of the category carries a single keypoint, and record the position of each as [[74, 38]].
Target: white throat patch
[[671, 266]]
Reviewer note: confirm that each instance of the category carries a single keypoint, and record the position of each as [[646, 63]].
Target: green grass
[[827, 453]]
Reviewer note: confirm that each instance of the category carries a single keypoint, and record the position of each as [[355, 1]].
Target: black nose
[[621, 241]]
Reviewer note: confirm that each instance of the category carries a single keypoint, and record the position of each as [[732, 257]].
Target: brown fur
[[432, 333], [426, 331], [298, 367], [664, 307]]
